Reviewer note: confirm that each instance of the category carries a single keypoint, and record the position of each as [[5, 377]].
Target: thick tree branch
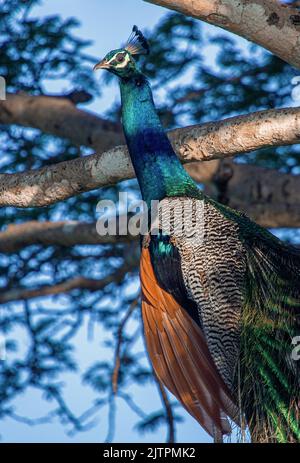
[[59, 116], [18, 236], [265, 22], [267, 196], [205, 142]]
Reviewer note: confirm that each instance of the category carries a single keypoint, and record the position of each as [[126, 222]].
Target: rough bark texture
[[205, 142], [266, 22], [59, 116], [240, 134]]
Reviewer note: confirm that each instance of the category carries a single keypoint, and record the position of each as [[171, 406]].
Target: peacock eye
[[120, 58]]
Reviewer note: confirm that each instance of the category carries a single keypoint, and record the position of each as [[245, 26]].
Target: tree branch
[[120, 334], [168, 409], [59, 116], [265, 22], [205, 142], [18, 236], [79, 282], [267, 196]]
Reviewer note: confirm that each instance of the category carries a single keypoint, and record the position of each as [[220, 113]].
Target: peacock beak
[[101, 65]]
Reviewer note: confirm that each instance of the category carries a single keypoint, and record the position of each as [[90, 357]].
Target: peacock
[[220, 294]]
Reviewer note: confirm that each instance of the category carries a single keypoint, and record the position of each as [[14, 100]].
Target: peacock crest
[[137, 44]]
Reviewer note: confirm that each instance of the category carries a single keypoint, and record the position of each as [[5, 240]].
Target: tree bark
[[215, 140], [59, 116], [267, 196], [18, 236], [268, 23]]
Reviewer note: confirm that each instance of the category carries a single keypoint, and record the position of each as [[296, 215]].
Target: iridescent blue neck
[[158, 170]]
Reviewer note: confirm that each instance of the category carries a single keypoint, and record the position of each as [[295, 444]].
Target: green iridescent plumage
[[238, 263]]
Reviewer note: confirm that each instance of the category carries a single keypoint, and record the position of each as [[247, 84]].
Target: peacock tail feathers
[[270, 320], [269, 323]]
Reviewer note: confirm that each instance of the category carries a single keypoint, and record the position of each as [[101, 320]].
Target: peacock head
[[121, 61]]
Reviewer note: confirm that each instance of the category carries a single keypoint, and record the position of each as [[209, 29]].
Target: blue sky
[[108, 24]]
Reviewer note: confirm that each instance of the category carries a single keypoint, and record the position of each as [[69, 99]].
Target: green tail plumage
[[270, 321]]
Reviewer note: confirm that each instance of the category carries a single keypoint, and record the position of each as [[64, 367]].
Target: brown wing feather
[[180, 356]]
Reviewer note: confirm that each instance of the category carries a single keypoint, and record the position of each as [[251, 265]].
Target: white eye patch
[[119, 64], [124, 63]]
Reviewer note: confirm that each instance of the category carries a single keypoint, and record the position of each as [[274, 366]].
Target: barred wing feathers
[[180, 355]]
